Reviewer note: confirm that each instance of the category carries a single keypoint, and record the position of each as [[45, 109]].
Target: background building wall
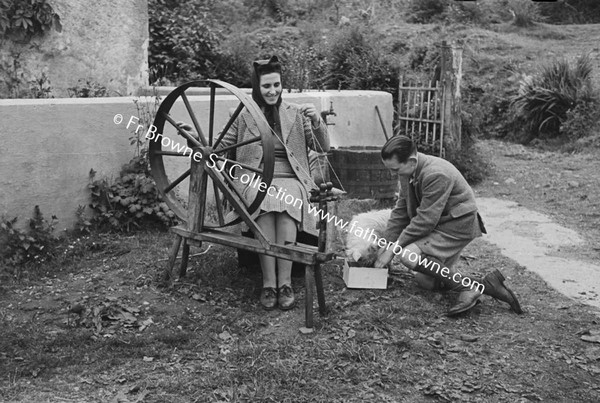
[[105, 41]]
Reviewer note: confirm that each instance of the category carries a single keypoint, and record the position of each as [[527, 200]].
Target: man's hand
[[310, 111], [384, 258]]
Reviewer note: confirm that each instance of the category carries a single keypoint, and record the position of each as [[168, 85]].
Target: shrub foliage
[[26, 19], [34, 244], [182, 43], [544, 100], [130, 202]]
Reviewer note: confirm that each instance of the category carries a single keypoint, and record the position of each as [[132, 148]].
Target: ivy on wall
[[23, 19]]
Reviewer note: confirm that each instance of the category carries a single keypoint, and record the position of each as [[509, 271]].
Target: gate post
[[451, 77]]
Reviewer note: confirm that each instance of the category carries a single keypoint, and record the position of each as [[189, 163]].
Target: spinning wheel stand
[[201, 225]]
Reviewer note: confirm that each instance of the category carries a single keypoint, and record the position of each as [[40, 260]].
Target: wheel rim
[[168, 164]]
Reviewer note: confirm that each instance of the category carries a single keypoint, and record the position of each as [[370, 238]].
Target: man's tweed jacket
[[436, 197]]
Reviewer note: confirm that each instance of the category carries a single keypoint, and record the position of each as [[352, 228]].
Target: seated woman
[[297, 128]]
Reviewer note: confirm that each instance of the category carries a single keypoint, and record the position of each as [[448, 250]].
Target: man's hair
[[400, 146]]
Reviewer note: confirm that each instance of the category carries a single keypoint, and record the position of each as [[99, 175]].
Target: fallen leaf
[[591, 339], [591, 336], [532, 396], [306, 330], [468, 337], [225, 336], [145, 324]]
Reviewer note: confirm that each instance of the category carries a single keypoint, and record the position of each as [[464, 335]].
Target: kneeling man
[[434, 219]]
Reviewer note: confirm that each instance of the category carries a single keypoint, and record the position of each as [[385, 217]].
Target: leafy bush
[[36, 244], [468, 160], [235, 61], [424, 58], [25, 19], [543, 101], [583, 120], [130, 202], [274, 8], [182, 42], [424, 11], [525, 12], [467, 12], [40, 87], [520, 12], [571, 11], [87, 88], [354, 63]]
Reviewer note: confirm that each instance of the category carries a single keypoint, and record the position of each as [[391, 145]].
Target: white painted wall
[[48, 146]]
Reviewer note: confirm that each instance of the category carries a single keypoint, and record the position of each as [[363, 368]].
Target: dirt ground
[[101, 330], [565, 187]]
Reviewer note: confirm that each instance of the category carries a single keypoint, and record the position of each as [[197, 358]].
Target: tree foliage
[[182, 44]]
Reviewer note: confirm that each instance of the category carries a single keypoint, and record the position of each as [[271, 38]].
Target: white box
[[364, 277]]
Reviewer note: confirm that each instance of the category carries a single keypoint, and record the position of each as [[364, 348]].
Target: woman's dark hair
[[400, 146], [271, 65], [260, 68]]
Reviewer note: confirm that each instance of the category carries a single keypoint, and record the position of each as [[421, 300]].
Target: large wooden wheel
[[170, 159]]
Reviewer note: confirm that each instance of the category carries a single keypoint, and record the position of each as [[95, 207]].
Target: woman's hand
[[310, 111], [184, 126]]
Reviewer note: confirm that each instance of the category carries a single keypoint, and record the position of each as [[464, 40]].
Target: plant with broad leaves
[[87, 88], [132, 201], [35, 244], [24, 19]]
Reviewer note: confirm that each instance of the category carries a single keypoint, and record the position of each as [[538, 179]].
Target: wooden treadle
[[296, 252]]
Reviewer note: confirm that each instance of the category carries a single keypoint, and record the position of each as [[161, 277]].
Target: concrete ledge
[[50, 145]]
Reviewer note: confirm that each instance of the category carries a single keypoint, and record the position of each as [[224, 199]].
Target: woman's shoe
[[268, 298], [286, 297]]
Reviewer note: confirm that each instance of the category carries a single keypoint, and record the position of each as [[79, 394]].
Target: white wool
[[358, 247]]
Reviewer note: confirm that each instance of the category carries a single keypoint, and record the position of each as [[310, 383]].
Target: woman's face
[[270, 87]]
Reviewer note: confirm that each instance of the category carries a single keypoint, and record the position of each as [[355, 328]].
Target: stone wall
[[105, 41]]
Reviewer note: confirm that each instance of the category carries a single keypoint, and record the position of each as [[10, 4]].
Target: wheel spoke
[[171, 153], [229, 123], [184, 133], [211, 116], [177, 181], [232, 186], [193, 116], [243, 143], [228, 195]]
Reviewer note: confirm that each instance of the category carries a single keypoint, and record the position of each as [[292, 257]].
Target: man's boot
[[467, 297], [494, 287], [428, 282]]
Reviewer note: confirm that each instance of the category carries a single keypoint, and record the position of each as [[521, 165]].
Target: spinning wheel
[[179, 157], [163, 150]]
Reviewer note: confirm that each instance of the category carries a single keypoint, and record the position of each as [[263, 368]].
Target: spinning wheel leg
[[320, 290], [185, 254], [308, 300], [168, 275]]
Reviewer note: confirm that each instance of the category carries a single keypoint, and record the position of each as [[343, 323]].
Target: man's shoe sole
[[465, 309]]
